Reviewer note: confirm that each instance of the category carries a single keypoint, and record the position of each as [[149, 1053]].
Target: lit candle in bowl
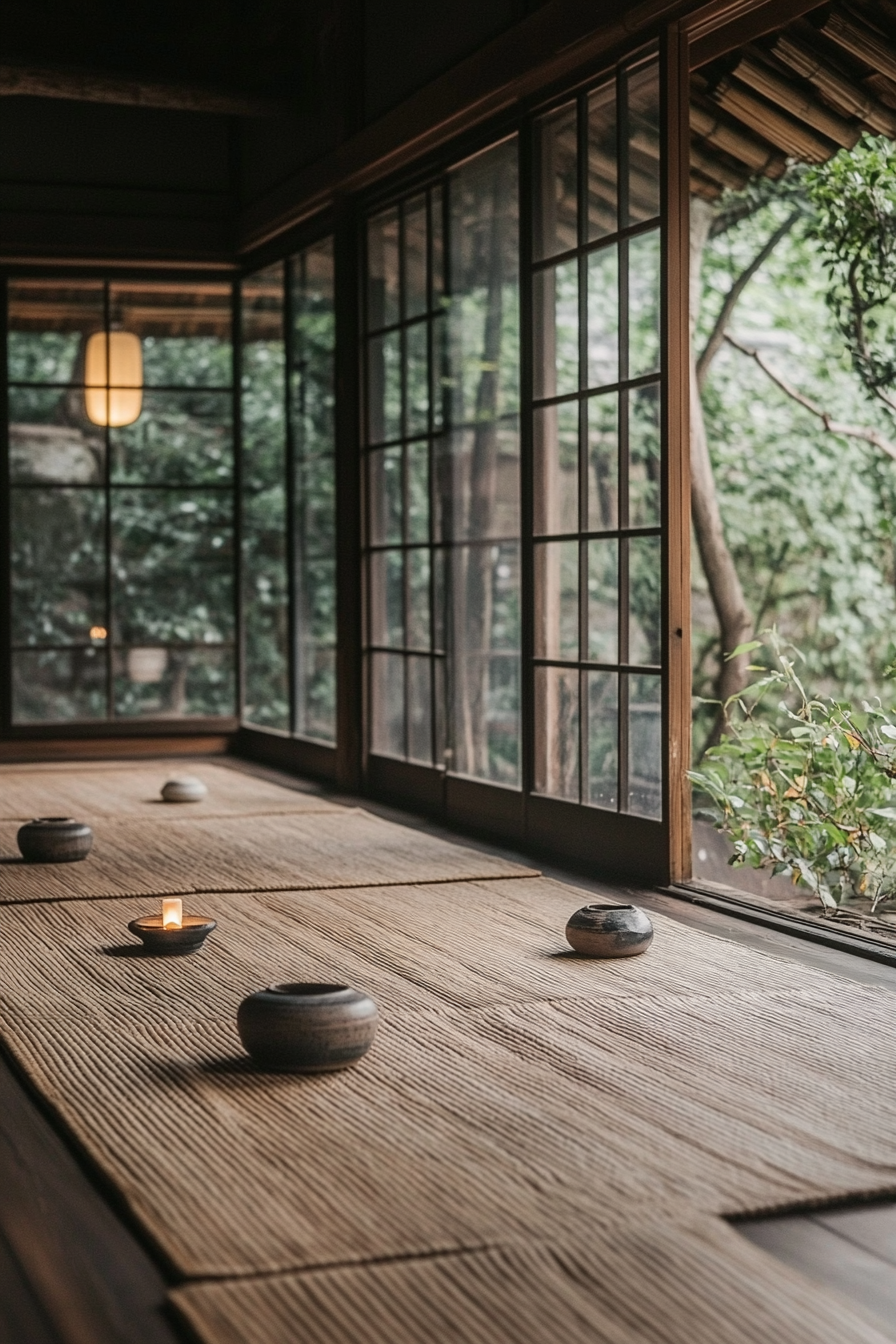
[[172, 933]]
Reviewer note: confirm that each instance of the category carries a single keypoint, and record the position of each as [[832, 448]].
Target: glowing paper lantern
[[113, 378]]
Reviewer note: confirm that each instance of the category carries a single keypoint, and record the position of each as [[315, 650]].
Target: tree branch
[[864, 432], [717, 335]]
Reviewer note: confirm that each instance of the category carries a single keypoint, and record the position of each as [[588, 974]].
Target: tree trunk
[[726, 593]]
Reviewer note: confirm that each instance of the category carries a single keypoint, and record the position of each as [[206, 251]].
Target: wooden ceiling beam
[[85, 86], [792, 137], [861, 42], [845, 95], [718, 133], [792, 98], [709, 166]]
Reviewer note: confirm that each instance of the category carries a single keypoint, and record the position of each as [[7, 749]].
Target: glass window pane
[[419, 711], [265, 611], [556, 468], [49, 323], [436, 209], [51, 439], [185, 329], [478, 482], [150, 682], [556, 207], [415, 297], [602, 164], [485, 636], [58, 564], [172, 574], [483, 313], [557, 599], [557, 732], [441, 380], [384, 387], [644, 456], [313, 344], [417, 379], [644, 304], [556, 299], [603, 317], [387, 598], [186, 438], [601, 785], [382, 270], [58, 685], [439, 563], [418, 492], [644, 558], [316, 507], [603, 462], [643, 144], [316, 687], [387, 704], [418, 599], [385, 495], [645, 761], [603, 601]]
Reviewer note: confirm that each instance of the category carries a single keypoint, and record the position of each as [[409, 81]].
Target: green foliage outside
[[805, 786]]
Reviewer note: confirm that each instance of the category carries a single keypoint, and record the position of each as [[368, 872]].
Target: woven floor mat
[[133, 790], [327, 849], [619, 1282], [464, 1126]]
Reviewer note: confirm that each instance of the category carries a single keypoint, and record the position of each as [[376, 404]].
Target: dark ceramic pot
[[184, 789], [609, 931], [54, 840], [163, 942], [307, 1028]]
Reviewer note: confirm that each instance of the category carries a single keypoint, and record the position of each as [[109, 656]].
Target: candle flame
[[172, 913]]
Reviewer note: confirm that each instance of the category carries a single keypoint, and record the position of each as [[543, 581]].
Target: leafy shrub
[[808, 793]]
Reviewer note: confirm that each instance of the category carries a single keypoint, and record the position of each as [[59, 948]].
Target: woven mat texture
[[573, 1086], [133, 790], [619, 1282], [327, 849]]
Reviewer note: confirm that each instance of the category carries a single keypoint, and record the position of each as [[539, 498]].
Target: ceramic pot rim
[[308, 989], [54, 821], [602, 908]]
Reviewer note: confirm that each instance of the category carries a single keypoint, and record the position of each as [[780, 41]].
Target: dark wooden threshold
[[96, 748], [70, 1271]]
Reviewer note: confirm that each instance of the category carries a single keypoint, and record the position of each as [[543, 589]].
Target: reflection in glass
[[414, 256], [644, 600], [312, 399], [51, 441], [557, 732], [49, 323], [384, 494], [602, 167], [557, 599], [58, 565], [265, 611], [172, 575], [418, 491], [479, 483], [601, 787], [382, 270], [643, 144], [603, 317], [556, 299], [417, 380], [186, 437], [556, 208], [59, 685], [387, 704], [645, 770], [603, 462], [644, 304], [644, 456], [384, 387], [173, 683], [419, 710], [387, 598], [603, 600], [555, 468], [484, 661], [418, 635], [184, 328]]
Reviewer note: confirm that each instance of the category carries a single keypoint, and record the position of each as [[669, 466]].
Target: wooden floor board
[[70, 1271]]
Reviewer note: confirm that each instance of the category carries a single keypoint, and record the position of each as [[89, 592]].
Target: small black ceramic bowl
[[54, 840], [307, 1028], [163, 942], [609, 931]]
